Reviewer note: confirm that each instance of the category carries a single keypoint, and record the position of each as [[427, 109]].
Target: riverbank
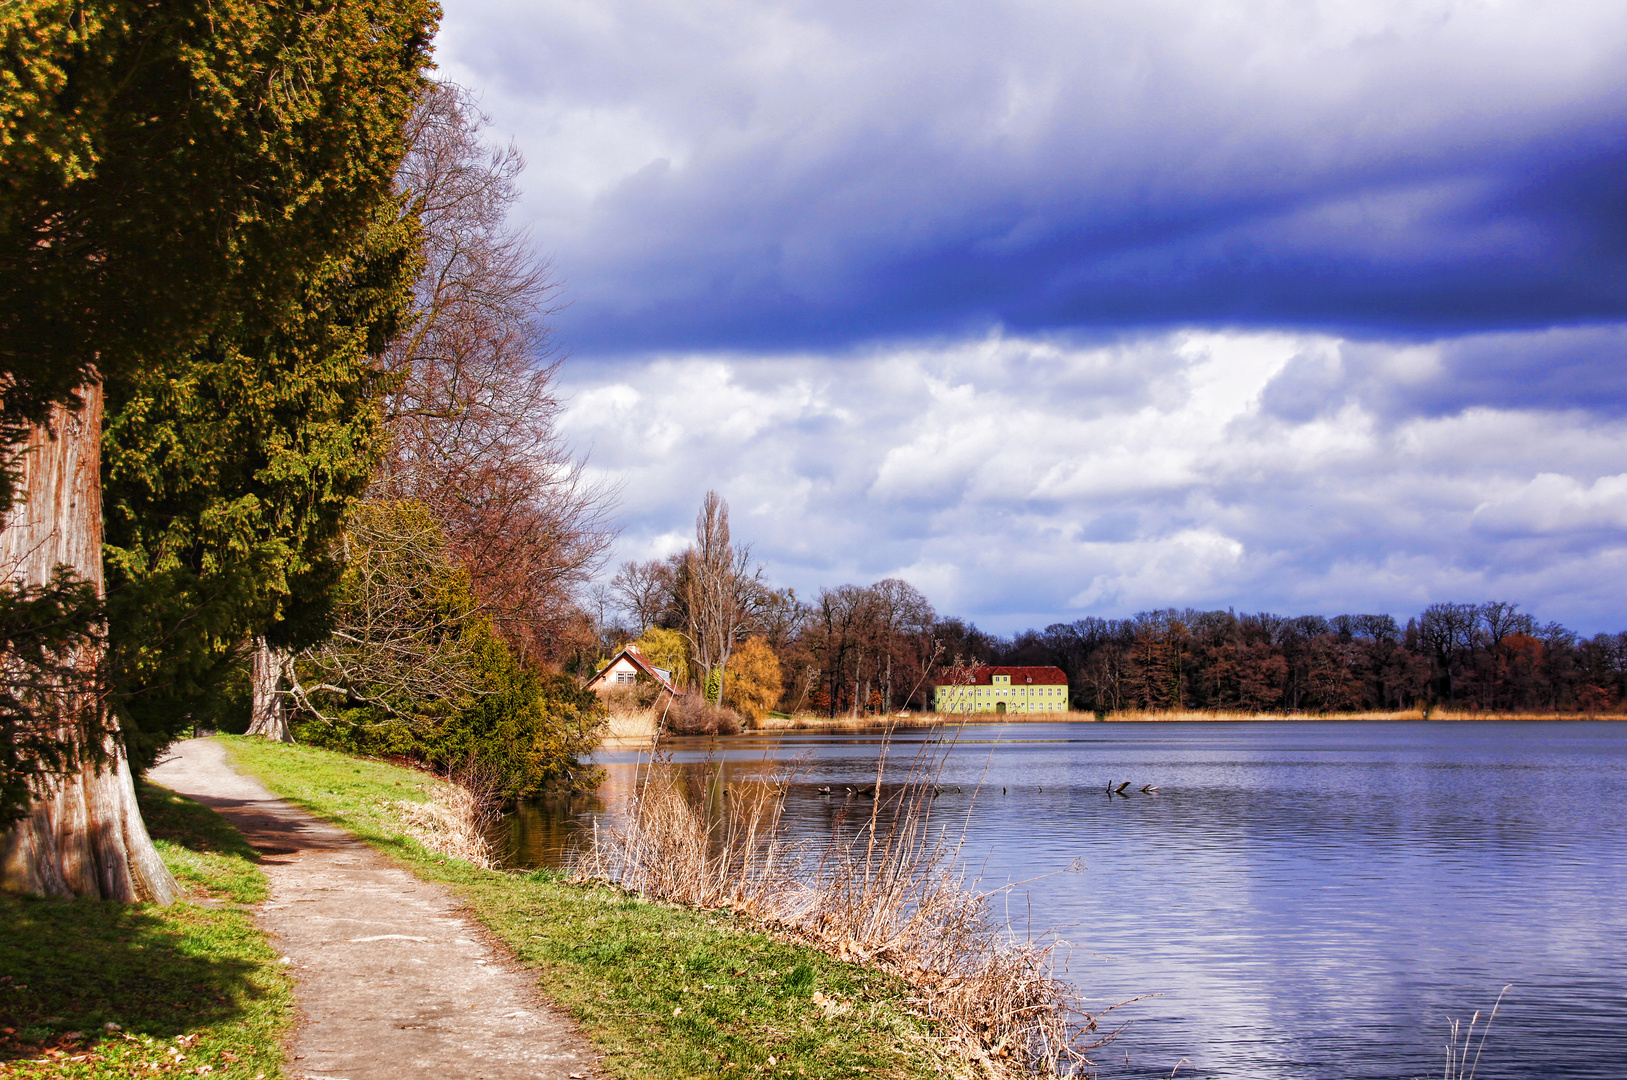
[[380, 958], [810, 722], [93, 989], [659, 991]]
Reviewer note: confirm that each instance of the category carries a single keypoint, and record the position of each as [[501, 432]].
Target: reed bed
[[458, 820], [814, 722], [886, 891]]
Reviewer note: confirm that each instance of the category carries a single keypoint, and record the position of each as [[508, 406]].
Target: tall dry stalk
[[889, 892], [1459, 1066]]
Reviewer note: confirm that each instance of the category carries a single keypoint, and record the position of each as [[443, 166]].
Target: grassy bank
[[660, 991], [96, 989]]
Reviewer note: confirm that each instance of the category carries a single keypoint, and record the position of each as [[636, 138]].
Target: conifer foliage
[[227, 475], [177, 179]]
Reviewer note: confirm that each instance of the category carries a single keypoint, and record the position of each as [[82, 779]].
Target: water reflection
[[1311, 900]]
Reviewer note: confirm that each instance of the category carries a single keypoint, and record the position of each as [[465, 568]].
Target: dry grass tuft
[[458, 820], [887, 892]]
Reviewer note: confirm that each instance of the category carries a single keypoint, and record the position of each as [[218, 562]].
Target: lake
[[1308, 899]]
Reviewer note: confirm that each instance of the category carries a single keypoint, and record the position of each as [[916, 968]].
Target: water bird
[[824, 790]]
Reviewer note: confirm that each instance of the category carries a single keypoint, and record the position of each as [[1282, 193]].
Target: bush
[[692, 714], [525, 735], [629, 697], [752, 684]]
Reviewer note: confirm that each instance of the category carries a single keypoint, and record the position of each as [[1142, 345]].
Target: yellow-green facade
[[1017, 690]]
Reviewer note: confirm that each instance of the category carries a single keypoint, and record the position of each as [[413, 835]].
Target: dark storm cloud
[[773, 176]]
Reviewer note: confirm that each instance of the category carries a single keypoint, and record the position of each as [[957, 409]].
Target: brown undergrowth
[[887, 890]]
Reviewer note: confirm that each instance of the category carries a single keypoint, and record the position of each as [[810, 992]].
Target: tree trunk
[[84, 835], [268, 717]]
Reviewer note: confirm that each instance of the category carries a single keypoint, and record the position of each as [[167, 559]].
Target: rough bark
[[268, 718], [83, 835]]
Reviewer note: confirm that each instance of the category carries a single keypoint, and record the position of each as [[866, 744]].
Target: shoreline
[[660, 990], [623, 735], [926, 720]]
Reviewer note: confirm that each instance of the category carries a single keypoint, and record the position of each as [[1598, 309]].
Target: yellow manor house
[[1004, 689]]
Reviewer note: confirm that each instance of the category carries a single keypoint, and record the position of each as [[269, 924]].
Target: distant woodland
[[1488, 657], [874, 649]]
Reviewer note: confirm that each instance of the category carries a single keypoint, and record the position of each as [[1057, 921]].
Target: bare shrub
[[692, 714], [890, 894], [634, 711]]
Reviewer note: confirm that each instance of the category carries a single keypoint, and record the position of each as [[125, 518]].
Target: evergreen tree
[[226, 476], [162, 164]]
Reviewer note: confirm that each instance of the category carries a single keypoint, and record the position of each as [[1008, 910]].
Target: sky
[[1064, 309]]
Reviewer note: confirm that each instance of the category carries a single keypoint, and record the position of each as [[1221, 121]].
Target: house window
[[625, 676]]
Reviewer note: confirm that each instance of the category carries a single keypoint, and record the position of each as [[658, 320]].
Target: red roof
[[639, 661], [1020, 676]]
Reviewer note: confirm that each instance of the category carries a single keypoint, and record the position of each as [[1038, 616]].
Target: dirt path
[[392, 981]]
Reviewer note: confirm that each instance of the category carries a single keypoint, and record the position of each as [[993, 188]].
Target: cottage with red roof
[[625, 668], [1002, 690]]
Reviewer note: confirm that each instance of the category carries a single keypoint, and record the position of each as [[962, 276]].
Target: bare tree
[[473, 418], [1503, 618], [1449, 631], [720, 591], [645, 590], [398, 643]]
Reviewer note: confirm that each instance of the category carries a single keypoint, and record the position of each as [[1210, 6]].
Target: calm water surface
[[1308, 900]]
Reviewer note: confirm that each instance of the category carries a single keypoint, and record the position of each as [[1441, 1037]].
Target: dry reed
[[888, 893], [1442, 714], [1457, 1056], [458, 821]]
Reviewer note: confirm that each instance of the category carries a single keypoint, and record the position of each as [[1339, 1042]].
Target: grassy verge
[[661, 991], [96, 989]]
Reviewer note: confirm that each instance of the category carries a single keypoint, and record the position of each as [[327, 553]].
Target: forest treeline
[[1482, 657], [879, 648]]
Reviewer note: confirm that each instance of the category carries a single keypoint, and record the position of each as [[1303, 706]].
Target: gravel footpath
[[393, 981]]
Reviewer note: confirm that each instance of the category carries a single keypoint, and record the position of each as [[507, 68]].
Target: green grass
[[190, 985], [660, 991]]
